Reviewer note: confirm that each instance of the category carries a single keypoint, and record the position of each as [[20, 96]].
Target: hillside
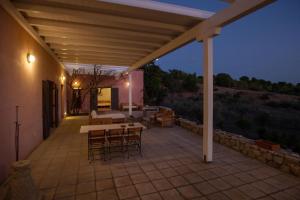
[[252, 107], [254, 114]]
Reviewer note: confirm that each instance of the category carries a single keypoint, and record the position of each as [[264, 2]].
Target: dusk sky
[[264, 44]]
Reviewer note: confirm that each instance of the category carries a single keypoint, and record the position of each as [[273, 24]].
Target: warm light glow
[[62, 79], [76, 85], [65, 113], [127, 84], [30, 58]]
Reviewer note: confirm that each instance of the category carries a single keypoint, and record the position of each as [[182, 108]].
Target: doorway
[[104, 99], [50, 106]]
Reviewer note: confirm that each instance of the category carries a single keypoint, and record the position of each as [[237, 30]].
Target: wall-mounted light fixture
[[62, 79], [127, 83], [30, 58], [76, 85]]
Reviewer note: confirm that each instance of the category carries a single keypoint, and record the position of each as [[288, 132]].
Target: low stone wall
[[281, 159]]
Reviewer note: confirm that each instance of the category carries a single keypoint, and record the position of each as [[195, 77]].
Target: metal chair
[[96, 143], [134, 138], [115, 138]]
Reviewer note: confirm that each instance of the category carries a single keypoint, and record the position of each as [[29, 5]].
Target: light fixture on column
[[30, 58], [127, 83]]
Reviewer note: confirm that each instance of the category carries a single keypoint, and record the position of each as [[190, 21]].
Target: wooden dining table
[[107, 127]]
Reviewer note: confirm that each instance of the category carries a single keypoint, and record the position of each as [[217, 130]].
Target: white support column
[[130, 94], [208, 100]]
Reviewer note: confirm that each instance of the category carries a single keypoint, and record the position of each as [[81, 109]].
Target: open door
[[115, 98], [50, 107], [46, 109], [93, 99]]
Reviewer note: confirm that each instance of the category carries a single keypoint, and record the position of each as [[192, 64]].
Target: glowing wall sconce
[[76, 85], [127, 83], [30, 58], [62, 79]]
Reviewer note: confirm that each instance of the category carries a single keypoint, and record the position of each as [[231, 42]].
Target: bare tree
[[81, 84]]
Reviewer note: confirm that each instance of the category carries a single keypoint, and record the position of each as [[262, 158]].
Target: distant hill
[[250, 107]]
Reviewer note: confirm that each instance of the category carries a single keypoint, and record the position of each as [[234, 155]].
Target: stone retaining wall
[[281, 159]]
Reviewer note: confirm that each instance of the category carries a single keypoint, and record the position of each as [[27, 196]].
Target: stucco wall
[[137, 89], [21, 84]]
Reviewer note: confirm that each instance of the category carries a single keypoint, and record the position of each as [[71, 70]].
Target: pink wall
[[137, 89], [21, 84]]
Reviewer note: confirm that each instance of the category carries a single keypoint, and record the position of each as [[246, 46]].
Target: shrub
[[243, 124]]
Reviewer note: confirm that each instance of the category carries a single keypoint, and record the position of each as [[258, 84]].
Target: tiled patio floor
[[171, 168]]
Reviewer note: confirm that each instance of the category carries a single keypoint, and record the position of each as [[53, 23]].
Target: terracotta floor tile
[[235, 194], [169, 172], [107, 195], [85, 187], [127, 192], [251, 191], [178, 181], [189, 192], [193, 178], [154, 196], [104, 184], [122, 181], [162, 184], [219, 184], [171, 195], [168, 153], [88, 196], [205, 188], [145, 188], [154, 175], [139, 178]]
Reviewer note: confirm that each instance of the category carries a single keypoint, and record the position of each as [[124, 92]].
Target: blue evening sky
[[264, 44]]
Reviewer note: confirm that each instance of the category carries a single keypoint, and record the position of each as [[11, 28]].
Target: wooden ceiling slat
[[77, 26], [95, 38], [91, 53], [93, 17], [98, 45], [98, 57], [94, 42], [96, 52], [87, 33], [92, 48]]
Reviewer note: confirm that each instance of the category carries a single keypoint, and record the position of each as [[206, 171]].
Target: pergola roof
[[116, 32]]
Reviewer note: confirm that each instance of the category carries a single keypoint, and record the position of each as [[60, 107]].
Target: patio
[[171, 168]]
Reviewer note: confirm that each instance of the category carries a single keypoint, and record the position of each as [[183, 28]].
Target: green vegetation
[[250, 107]]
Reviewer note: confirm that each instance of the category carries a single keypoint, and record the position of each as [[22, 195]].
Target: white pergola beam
[[164, 7], [130, 94], [93, 17], [235, 11]]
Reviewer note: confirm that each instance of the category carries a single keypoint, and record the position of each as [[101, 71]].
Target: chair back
[[116, 132], [96, 135], [134, 131]]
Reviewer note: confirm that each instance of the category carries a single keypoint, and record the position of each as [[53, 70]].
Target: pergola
[[128, 33]]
